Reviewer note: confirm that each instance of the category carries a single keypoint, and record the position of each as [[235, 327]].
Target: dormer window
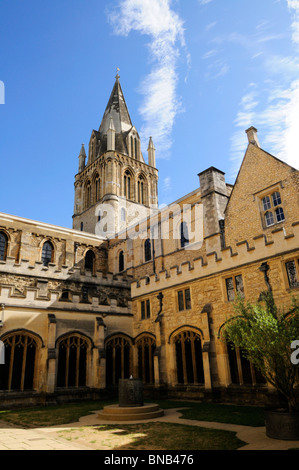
[[272, 209]]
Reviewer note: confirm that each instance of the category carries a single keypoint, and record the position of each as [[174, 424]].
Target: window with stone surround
[[146, 348], [292, 269], [234, 285], [184, 236], [121, 261], [118, 359], [73, 351], [147, 250], [272, 208], [47, 253], [145, 307], [242, 371], [184, 299], [19, 370], [188, 355], [3, 246], [90, 261]]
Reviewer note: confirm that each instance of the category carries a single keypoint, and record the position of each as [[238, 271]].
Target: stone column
[[172, 368], [99, 356], [206, 365], [51, 379]]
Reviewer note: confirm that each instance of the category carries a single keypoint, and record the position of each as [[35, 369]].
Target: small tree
[[265, 335]]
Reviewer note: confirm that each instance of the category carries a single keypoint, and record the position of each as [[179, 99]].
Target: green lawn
[[68, 413], [232, 414], [149, 436], [152, 436]]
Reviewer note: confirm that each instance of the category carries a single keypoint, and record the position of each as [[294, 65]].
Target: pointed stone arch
[[22, 357], [187, 342]]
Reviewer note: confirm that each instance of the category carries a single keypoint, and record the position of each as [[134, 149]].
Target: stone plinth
[[126, 413], [130, 392], [130, 407]]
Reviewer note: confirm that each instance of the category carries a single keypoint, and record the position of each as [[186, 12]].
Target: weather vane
[[117, 74]]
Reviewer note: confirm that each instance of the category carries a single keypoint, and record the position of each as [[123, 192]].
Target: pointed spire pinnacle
[[151, 153], [82, 157], [82, 152], [117, 109], [151, 144]]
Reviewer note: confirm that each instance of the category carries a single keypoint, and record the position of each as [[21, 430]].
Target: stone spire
[[151, 153], [82, 158], [117, 110]]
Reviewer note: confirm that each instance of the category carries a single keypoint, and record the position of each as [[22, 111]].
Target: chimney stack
[[252, 136]]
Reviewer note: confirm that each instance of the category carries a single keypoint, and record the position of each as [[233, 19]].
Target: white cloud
[[204, 2], [273, 107], [167, 184], [157, 20]]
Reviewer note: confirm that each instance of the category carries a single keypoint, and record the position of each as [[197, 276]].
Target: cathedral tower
[[115, 172]]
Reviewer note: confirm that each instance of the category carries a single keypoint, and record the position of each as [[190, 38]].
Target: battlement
[[75, 273], [259, 248], [41, 297]]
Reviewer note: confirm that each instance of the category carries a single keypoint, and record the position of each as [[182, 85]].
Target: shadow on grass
[[220, 413], [156, 436]]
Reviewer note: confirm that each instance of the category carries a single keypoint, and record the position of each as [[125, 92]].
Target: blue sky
[[195, 74]]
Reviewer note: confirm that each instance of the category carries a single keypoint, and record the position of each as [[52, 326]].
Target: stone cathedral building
[[147, 291]]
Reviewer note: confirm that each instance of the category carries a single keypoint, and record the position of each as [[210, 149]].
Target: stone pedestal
[[130, 392], [131, 406]]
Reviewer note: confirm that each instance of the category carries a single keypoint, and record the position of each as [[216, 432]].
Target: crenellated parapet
[[64, 288], [259, 248]]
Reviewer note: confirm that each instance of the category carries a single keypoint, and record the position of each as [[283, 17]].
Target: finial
[[117, 74]]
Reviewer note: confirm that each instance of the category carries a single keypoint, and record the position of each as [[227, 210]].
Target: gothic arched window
[[147, 250], [184, 234], [242, 371], [123, 214], [127, 184], [3, 246], [141, 190], [87, 195], [121, 261], [189, 357], [118, 359], [90, 261], [47, 253], [146, 348], [18, 371], [97, 188], [72, 361]]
